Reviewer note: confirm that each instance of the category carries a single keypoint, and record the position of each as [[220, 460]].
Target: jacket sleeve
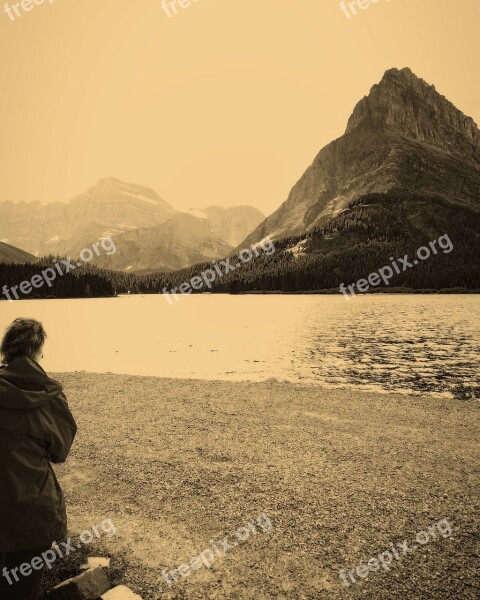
[[63, 431]]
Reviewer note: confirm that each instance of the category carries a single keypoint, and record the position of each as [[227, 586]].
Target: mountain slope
[[182, 241], [231, 224], [10, 254], [404, 136]]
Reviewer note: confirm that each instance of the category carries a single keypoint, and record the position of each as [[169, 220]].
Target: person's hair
[[24, 337]]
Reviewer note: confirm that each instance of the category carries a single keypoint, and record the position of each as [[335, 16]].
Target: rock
[[121, 592], [404, 102], [96, 561], [90, 585]]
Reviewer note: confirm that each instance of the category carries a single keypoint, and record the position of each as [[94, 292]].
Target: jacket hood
[[24, 385]]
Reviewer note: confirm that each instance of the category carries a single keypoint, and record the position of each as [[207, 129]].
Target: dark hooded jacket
[[36, 429]]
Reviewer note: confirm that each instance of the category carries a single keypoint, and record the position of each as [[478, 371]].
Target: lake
[[405, 343]]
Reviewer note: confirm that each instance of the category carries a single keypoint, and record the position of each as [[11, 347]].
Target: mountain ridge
[[115, 208]]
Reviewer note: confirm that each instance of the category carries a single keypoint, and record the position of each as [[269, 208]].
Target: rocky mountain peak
[[115, 190], [403, 102], [403, 140]]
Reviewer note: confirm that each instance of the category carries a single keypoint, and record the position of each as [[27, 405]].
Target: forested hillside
[[356, 243], [84, 282]]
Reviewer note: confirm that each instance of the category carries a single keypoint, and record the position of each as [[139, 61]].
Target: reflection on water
[[402, 343]]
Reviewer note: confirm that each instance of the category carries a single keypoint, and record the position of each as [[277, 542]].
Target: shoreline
[[326, 292], [312, 385], [176, 463]]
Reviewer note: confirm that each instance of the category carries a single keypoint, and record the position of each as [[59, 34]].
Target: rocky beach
[[341, 475]]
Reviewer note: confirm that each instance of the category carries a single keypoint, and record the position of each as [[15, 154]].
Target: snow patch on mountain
[[144, 198], [54, 240], [197, 212]]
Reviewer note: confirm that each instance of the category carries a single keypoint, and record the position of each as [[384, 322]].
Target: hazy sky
[[226, 103]]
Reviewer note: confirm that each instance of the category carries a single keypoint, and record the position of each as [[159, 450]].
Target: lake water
[[377, 342]]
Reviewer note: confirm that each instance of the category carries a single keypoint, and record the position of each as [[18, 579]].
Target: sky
[[225, 103]]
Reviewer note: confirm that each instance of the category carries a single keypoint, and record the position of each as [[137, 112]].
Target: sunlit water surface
[[380, 342]]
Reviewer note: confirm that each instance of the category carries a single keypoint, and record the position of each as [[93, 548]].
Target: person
[[36, 429]]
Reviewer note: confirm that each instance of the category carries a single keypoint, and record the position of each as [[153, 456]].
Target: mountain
[[118, 207], [403, 137], [405, 172], [133, 214], [231, 224], [12, 255], [182, 241], [30, 225], [108, 208]]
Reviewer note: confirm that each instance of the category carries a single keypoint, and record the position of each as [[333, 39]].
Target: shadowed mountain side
[[12, 255], [362, 239]]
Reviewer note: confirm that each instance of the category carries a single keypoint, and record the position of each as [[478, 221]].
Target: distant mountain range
[[149, 233], [405, 172]]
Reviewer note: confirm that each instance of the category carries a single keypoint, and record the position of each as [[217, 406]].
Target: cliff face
[[409, 106], [404, 137]]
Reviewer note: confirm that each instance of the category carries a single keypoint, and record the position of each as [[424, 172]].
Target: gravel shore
[[180, 464]]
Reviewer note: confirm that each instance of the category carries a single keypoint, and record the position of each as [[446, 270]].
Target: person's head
[[24, 337]]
